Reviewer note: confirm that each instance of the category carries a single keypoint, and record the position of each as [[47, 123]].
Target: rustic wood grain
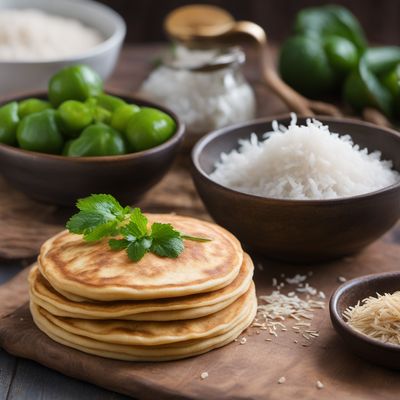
[[14, 293], [31, 382], [8, 365], [10, 268], [25, 224], [249, 371]]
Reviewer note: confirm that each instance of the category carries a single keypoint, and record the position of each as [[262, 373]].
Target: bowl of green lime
[[76, 139]]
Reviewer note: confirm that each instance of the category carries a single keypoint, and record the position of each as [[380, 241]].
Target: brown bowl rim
[[337, 318], [174, 139], [199, 147]]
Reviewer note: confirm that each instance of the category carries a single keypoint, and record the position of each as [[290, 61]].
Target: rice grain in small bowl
[[303, 199]]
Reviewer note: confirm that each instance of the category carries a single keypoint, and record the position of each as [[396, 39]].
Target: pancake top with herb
[[92, 270]]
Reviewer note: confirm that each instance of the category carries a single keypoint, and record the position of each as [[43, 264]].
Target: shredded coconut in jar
[[33, 35], [205, 100], [303, 162]]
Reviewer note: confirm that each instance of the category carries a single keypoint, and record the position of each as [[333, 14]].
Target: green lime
[[391, 80], [74, 82], [355, 92], [342, 54], [304, 65], [121, 116], [73, 117], [148, 128], [31, 106]]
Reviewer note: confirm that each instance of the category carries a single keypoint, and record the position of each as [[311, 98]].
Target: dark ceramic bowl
[[299, 230], [349, 294], [61, 180]]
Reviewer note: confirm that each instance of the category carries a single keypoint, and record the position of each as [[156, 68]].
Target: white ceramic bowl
[[20, 76]]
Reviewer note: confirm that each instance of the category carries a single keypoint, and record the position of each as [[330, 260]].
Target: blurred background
[[144, 18]]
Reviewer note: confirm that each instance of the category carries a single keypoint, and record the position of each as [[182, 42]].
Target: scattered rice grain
[[204, 375], [281, 380], [320, 385]]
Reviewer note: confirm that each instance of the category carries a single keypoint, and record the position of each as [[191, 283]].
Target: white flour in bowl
[[32, 35], [303, 162]]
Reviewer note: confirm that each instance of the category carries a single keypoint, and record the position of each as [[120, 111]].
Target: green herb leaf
[[103, 204], [92, 225], [101, 231], [140, 220], [118, 244], [167, 242], [102, 216], [131, 232], [136, 250], [171, 247], [98, 218], [84, 220], [163, 231]]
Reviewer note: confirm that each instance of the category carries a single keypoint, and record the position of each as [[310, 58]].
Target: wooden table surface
[[25, 379]]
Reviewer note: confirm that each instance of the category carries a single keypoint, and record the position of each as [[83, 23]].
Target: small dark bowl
[[299, 230], [62, 180], [349, 294]]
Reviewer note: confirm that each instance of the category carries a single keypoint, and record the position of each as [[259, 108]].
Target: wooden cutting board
[[249, 371]]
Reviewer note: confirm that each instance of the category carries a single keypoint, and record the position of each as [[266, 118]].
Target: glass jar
[[205, 88]]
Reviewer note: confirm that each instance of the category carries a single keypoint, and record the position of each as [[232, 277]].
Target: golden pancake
[[149, 333], [188, 307], [94, 271], [143, 353]]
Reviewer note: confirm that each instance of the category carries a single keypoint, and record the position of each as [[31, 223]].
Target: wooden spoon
[[204, 25]]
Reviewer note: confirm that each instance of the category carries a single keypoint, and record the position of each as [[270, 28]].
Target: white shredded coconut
[[204, 100], [303, 162], [33, 35], [281, 380]]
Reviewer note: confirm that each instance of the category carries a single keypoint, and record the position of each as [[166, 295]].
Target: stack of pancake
[[89, 297]]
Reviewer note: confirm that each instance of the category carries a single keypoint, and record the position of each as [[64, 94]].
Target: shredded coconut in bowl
[[303, 162]]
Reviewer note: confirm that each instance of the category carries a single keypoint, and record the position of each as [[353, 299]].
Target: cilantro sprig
[[101, 216]]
